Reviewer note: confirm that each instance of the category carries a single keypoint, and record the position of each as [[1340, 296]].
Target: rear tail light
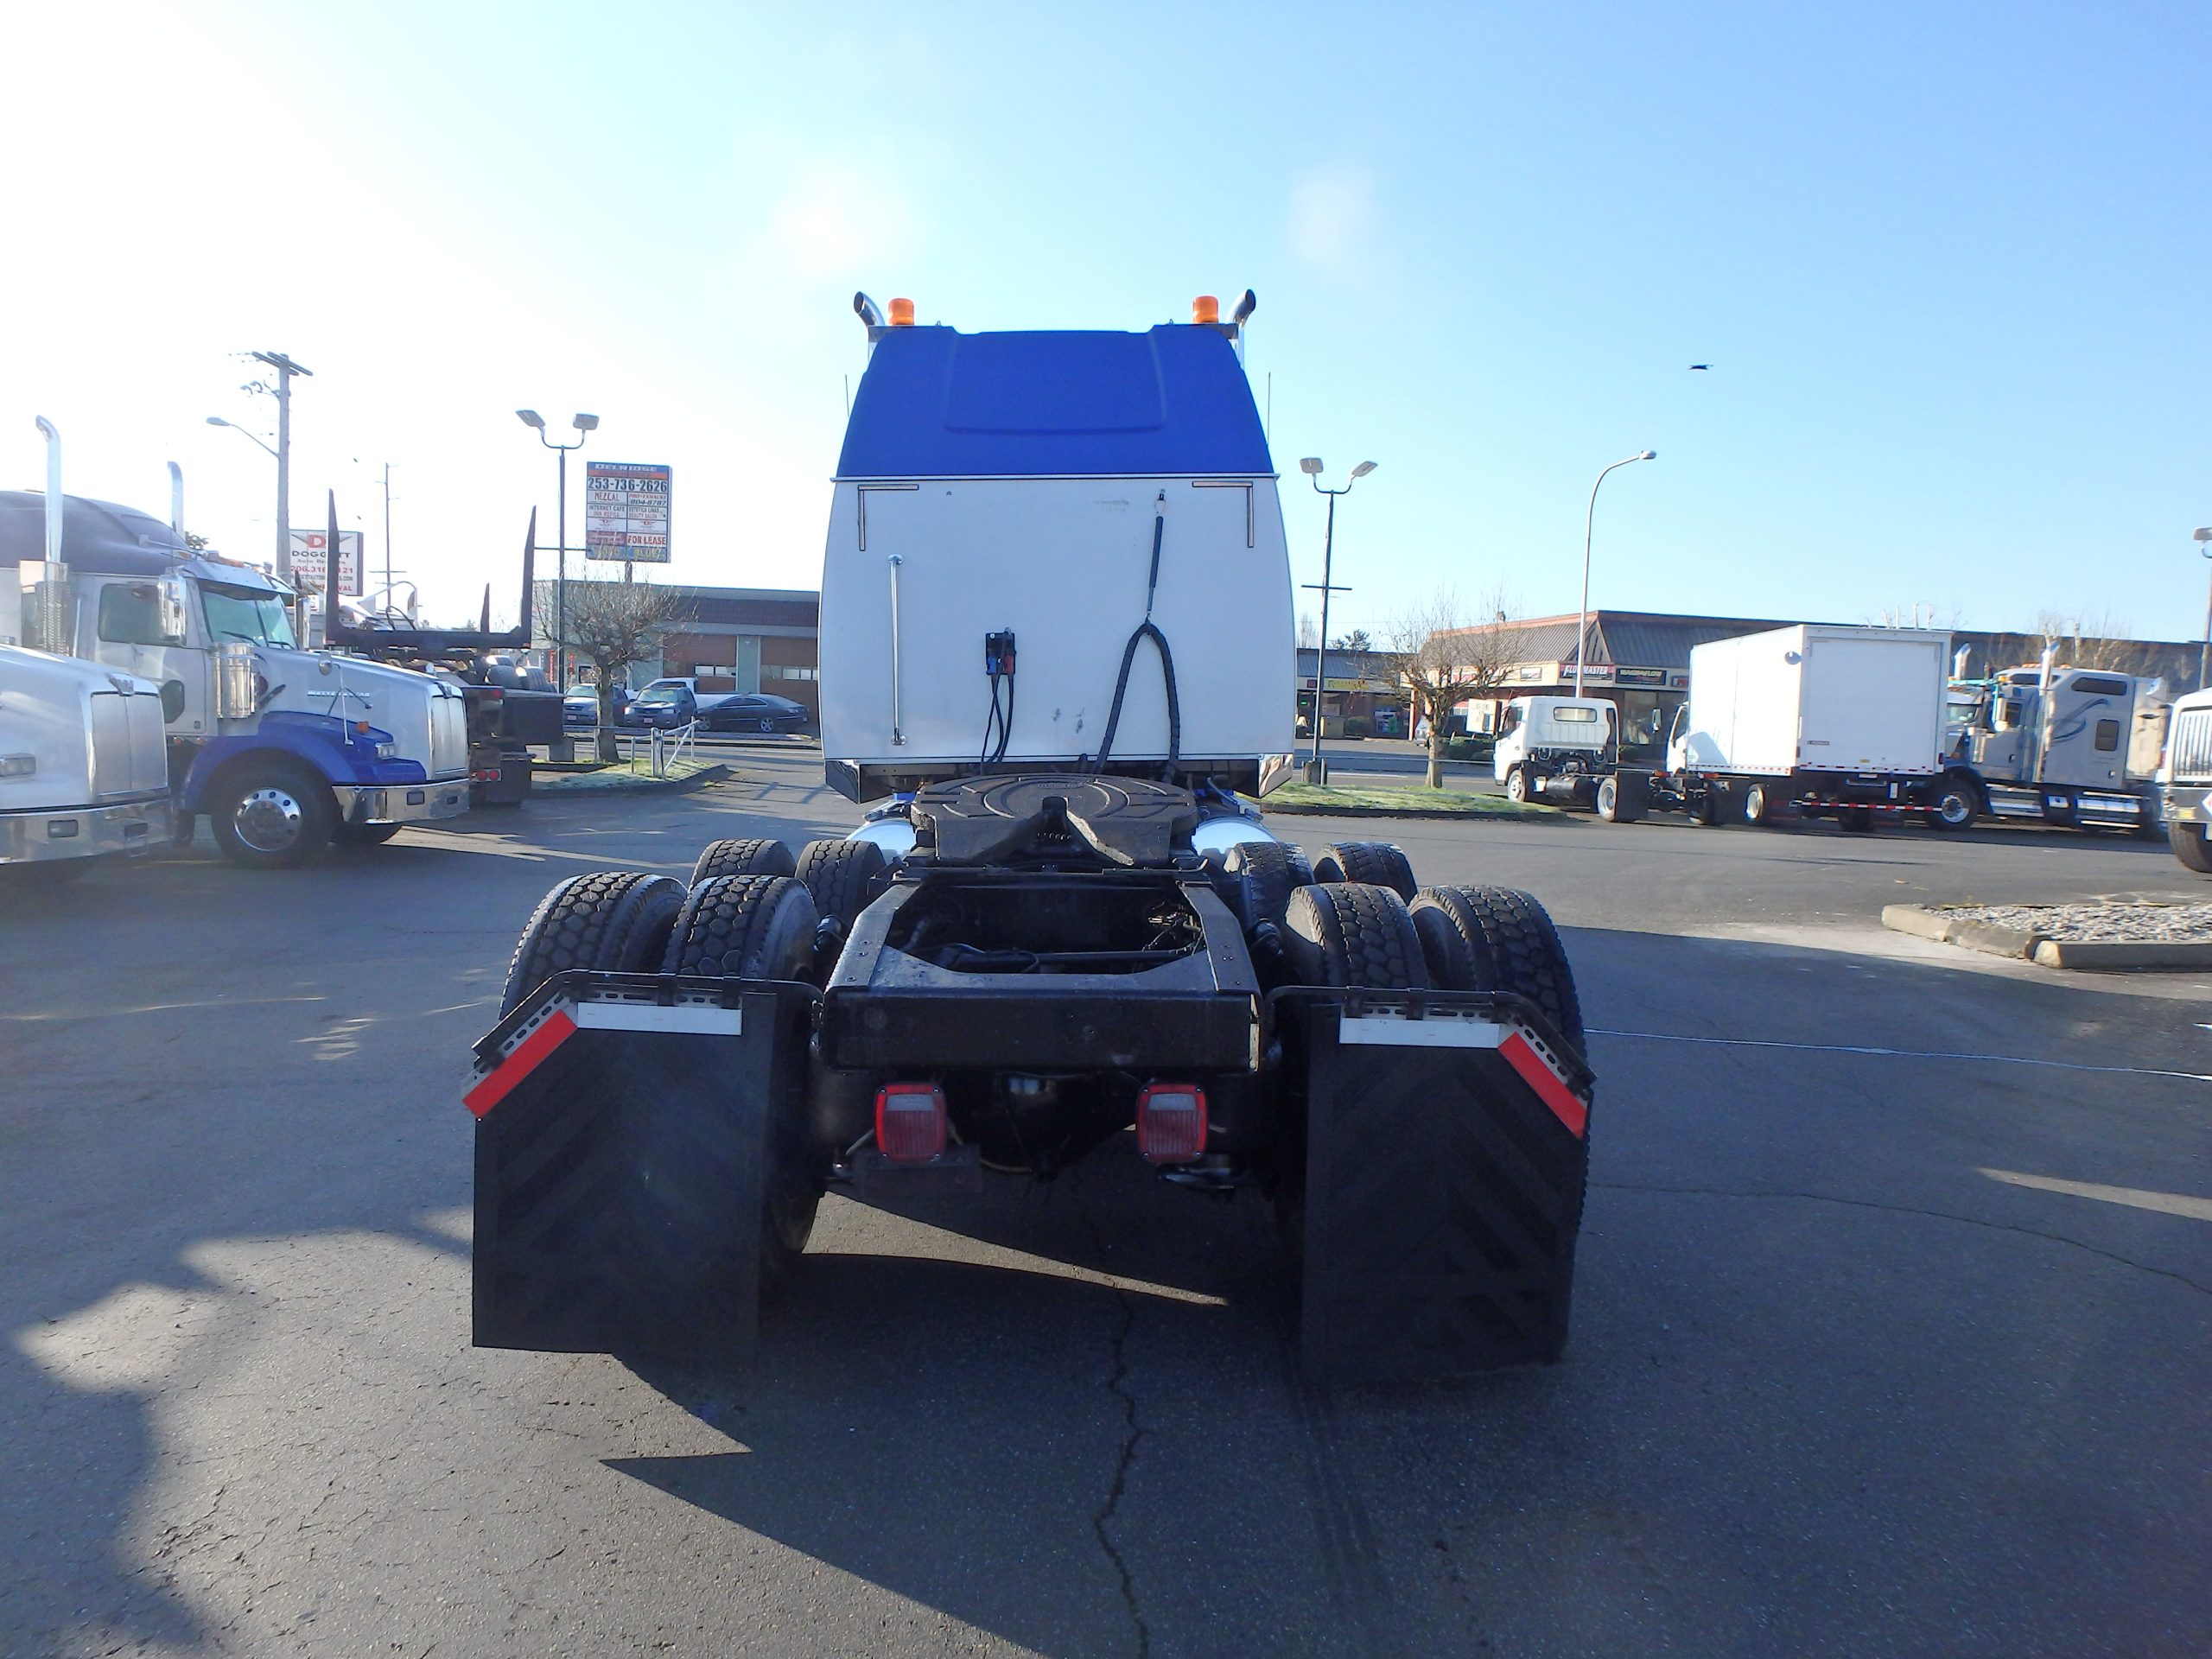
[[1172, 1122], [910, 1122]]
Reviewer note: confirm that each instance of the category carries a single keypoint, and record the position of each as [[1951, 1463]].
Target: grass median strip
[[1383, 803], [619, 778]]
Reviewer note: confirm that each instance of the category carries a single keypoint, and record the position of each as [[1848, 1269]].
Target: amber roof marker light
[[1205, 309], [902, 313]]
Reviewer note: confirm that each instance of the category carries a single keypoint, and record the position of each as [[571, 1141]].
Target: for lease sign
[[626, 511]]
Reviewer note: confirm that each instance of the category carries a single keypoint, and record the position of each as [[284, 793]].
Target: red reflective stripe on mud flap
[[501, 1080], [1540, 1078]]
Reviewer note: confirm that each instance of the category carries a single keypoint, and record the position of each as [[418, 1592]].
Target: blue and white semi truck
[[1057, 657], [283, 750]]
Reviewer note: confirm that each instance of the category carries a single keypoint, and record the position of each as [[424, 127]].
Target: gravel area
[[2100, 923]]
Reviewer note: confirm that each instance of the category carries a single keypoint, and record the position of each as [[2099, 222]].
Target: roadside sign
[[311, 559], [626, 511]]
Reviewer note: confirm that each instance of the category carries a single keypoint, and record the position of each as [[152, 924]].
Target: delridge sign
[[626, 511]]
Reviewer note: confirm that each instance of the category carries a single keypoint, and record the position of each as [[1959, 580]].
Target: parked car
[[580, 710], [752, 711], [665, 703]]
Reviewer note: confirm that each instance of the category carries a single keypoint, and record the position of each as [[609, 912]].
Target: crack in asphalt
[[1117, 1384], [1911, 1210]]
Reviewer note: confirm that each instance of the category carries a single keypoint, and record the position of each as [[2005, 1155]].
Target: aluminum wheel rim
[[268, 819]]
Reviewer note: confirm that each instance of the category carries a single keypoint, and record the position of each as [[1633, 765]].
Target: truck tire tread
[[1269, 871], [1367, 863], [1498, 939], [845, 877], [2192, 845], [743, 927], [1353, 936], [613, 920], [754, 857]]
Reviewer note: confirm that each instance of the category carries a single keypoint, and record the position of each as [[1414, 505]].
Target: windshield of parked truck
[[249, 614], [664, 693]]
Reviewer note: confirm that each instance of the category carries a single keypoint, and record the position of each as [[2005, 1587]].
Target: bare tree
[[1444, 660], [1309, 637], [614, 626], [2089, 638]]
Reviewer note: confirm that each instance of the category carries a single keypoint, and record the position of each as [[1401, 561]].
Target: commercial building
[[750, 640], [1640, 661], [1364, 686]]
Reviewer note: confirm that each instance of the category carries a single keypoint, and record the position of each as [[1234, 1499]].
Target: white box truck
[[1842, 723]]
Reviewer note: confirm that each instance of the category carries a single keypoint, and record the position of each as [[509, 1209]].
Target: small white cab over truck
[[1057, 659], [1556, 749], [83, 768], [2187, 781]]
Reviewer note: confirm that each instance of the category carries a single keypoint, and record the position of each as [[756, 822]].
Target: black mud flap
[[1445, 1157], [622, 1143]]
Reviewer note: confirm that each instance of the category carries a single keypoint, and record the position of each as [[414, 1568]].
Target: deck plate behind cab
[[1131, 821]]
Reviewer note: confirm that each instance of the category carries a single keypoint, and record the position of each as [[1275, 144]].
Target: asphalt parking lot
[[1891, 1335]]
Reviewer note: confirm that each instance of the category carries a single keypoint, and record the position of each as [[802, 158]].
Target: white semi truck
[[281, 750], [2051, 743], [1060, 934], [2187, 781], [83, 773]]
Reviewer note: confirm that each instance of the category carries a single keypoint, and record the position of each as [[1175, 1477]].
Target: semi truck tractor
[[83, 773], [2050, 743], [284, 751], [1840, 722], [506, 713], [1556, 749], [2187, 781], [1056, 667]]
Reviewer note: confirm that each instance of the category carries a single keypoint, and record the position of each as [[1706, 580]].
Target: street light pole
[[585, 425], [285, 370], [1312, 468], [1582, 621], [2204, 540]]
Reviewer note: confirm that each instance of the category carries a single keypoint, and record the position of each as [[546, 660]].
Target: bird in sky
[[1700, 365]]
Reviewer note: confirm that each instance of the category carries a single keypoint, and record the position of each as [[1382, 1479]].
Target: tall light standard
[[1312, 468], [586, 425], [217, 419], [2204, 540], [285, 370], [1582, 622]]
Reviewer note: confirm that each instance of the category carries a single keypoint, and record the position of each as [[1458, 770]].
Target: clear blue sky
[[1949, 265]]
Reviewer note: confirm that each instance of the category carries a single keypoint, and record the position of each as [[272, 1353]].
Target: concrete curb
[[2109, 956], [643, 786], [2096, 955]]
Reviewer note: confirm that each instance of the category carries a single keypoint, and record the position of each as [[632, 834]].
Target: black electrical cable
[[1006, 726], [996, 722], [1146, 629]]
